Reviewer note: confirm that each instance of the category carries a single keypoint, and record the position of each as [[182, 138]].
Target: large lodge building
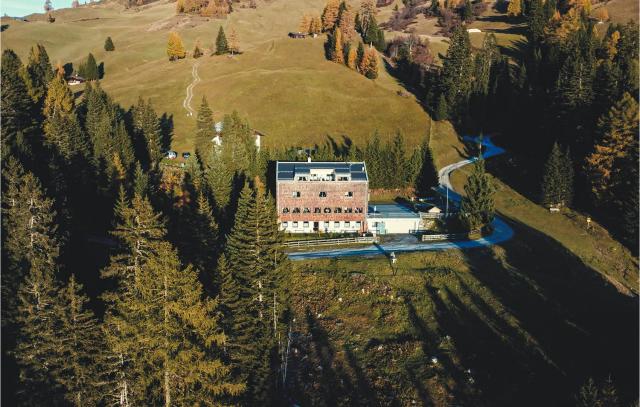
[[328, 197]]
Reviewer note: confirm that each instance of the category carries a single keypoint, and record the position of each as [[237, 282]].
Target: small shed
[[297, 35]]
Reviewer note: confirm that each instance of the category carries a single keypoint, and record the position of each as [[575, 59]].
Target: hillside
[[285, 87]]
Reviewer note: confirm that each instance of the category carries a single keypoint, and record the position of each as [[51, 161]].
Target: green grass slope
[[285, 87]]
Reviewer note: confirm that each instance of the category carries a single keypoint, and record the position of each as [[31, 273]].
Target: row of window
[[325, 210], [322, 194], [322, 225]]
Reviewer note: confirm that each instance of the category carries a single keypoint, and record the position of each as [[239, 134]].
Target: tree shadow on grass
[[578, 325]]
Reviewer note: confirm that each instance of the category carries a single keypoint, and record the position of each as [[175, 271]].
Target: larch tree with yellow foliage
[[617, 148], [515, 8], [369, 63], [347, 24], [337, 54], [315, 27], [305, 24], [234, 45], [330, 15], [352, 57], [175, 48]]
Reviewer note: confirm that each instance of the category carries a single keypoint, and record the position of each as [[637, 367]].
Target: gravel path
[[187, 100]]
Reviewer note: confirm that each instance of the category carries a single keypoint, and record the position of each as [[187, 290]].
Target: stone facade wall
[[310, 198]]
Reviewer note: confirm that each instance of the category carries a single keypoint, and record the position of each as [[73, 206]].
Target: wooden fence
[[329, 242]]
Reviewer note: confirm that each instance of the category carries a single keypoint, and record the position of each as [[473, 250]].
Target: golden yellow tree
[[619, 140], [175, 48], [338, 54], [369, 63], [234, 45], [347, 24], [515, 8], [330, 15], [305, 24], [317, 25], [59, 99], [352, 57]]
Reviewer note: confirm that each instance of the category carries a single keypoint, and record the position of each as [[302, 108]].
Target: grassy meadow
[[285, 87]]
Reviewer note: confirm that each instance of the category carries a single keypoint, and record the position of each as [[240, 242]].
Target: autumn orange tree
[[175, 48], [369, 63], [330, 15]]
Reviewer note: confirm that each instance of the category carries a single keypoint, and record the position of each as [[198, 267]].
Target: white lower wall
[[323, 227], [393, 225]]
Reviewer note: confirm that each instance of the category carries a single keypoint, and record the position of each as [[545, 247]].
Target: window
[[343, 178], [296, 194], [347, 224], [325, 225], [295, 225], [349, 194], [327, 210], [306, 210], [296, 210], [284, 225], [317, 210], [305, 225], [285, 210], [323, 194], [358, 210], [358, 224], [336, 224], [337, 210], [348, 210]]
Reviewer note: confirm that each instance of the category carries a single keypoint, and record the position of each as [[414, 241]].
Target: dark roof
[[287, 169]]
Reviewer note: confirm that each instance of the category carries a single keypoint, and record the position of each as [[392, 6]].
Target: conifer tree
[[160, 303], [618, 142], [369, 63], [219, 179], [557, 179], [140, 181], [234, 46], [147, 125], [515, 8], [337, 54], [346, 24], [175, 48], [222, 47], [16, 109], [305, 24], [359, 55], [455, 80], [80, 347], [255, 259], [205, 125], [477, 207], [38, 72], [374, 159], [442, 109], [197, 53], [31, 223], [427, 177], [91, 69], [352, 57], [330, 15], [467, 11], [108, 45], [397, 171]]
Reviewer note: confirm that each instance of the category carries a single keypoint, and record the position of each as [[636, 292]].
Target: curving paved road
[[501, 232], [187, 100]]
